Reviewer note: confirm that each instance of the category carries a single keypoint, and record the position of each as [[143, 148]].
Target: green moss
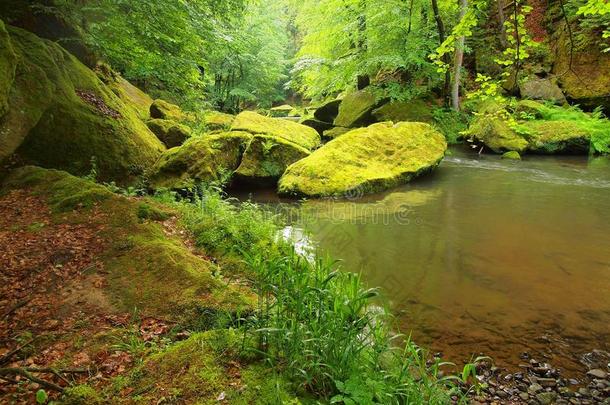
[[203, 367], [80, 395], [132, 95], [167, 111], [528, 109], [61, 114], [267, 157], [169, 132], [355, 109], [200, 159], [254, 123], [282, 111], [496, 134], [551, 137], [404, 111], [512, 155], [217, 121], [153, 212], [366, 160], [8, 62]]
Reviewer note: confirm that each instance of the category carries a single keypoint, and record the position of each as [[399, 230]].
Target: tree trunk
[[441, 38], [501, 21], [457, 65]]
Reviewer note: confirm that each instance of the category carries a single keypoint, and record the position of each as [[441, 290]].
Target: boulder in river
[[409, 111], [200, 159], [356, 109], [249, 121], [550, 137], [59, 114], [328, 112], [169, 132], [496, 134], [366, 160], [266, 158]]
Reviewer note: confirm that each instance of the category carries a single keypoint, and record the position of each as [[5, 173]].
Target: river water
[[483, 256]]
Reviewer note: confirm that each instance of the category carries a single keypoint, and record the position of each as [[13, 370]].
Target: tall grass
[[321, 327]]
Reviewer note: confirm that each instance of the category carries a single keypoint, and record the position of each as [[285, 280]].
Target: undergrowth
[[321, 327]]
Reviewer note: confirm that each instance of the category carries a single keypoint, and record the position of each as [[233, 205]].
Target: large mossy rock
[[60, 115], [551, 137], [169, 132], [266, 158], [254, 123], [328, 112], [496, 134], [335, 132], [200, 159], [283, 111], [366, 160], [542, 89], [356, 110], [404, 111], [8, 63]]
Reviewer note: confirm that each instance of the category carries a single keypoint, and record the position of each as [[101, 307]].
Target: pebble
[[524, 396], [597, 373], [547, 382]]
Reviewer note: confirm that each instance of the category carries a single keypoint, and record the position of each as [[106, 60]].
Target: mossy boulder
[[541, 89], [217, 121], [166, 111], [169, 132], [61, 114], [561, 136], [200, 159], [335, 133], [267, 157], [254, 123], [366, 160], [404, 111], [356, 109], [8, 63], [511, 155], [530, 109], [496, 134], [283, 111], [328, 112], [319, 126]]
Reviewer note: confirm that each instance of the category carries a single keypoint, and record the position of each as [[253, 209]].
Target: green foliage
[[593, 17], [41, 397]]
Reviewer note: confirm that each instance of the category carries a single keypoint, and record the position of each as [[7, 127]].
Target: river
[[483, 256]]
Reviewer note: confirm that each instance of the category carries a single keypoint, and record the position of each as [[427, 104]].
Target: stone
[[546, 398], [266, 158], [253, 123], [512, 155], [283, 111], [496, 134], [319, 126], [366, 160], [8, 64], [542, 89], [356, 109], [217, 121], [597, 373], [169, 132], [166, 111]]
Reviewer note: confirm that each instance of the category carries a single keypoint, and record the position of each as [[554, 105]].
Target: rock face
[[334, 133], [366, 160], [355, 110], [169, 132], [166, 111], [549, 137], [254, 123], [407, 111], [328, 112], [206, 158], [586, 79], [60, 114], [266, 158], [542, 89]]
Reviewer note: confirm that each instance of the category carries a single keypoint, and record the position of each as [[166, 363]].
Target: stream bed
[[483, 256]]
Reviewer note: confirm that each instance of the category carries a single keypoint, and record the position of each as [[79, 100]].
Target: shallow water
[[483, 256]]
